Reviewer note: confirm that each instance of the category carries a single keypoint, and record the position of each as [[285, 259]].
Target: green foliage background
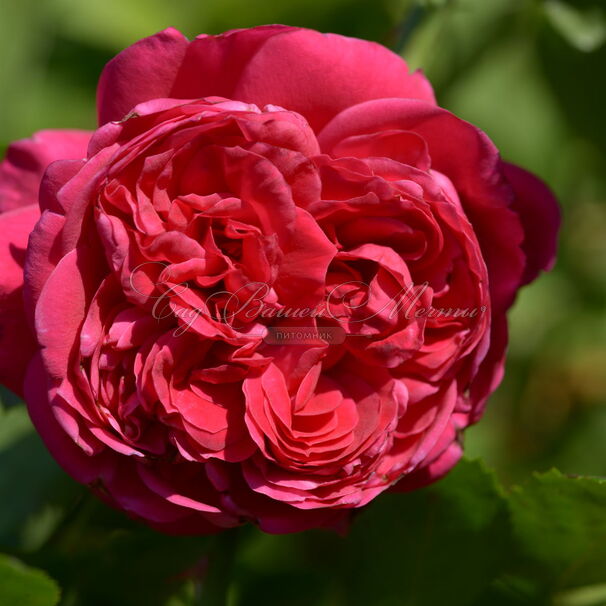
[[531, 74]]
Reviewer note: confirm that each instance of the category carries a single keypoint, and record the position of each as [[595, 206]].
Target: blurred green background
[[530, 73]]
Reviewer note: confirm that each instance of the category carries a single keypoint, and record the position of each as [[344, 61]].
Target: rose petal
[[16, 340], [540, 216], [146, 70], [27, 159]]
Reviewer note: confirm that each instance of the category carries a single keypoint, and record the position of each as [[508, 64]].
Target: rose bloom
[[232, 178]]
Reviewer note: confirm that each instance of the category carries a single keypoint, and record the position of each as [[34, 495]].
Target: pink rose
[[275, 286]]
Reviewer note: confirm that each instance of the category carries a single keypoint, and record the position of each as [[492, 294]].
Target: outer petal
[[72, 458], [16, 341], [146, 70], [20, 176], [302, 70], [63, 200], [27, 159], [540, 216], [433, 472]]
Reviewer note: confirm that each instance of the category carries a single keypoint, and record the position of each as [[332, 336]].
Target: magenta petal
[[540, 215], [15, 228], [469, 159], [43, 254], [305, 263], [16, 340], [83, 468], [128, 491], [317, 75], [27, 159], [433, 472], [61, 309], [146, 70]]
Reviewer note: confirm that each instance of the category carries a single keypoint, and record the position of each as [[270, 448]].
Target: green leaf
[[461, 541], [456, 531], [560, 526], [24, 586], [440, 545]]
